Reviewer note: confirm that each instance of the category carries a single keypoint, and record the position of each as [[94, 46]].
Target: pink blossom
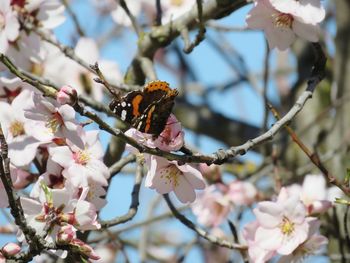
[[11, 88], [211, 207], [11, 249], [9, 25], [82, 165], [66, 205], [18, 130], [73, 74], [66, 234], [257, 254], [174, 9], [50, 13], [211, 173], [120, 17], [67, 95], [53, 120], [313, 193], [20, 177], [283, 20], [282, 224], [85, 249], [165, 176], [311, 246], [107, 253], [242, 193], [170, 139]]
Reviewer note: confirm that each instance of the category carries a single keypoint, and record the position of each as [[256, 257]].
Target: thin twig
[[118, 166], [201, 31], [149, 221], [201, 232], [134, 201], [74, 18], [134, 23]]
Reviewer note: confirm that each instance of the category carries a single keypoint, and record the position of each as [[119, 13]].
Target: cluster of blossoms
[[213, 205], [69, 186], [166, 176], [287, 227], [21, 43], [283, 20], [170, 9]]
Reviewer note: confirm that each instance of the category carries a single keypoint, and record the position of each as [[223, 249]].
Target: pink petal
[[306, 31], [184, 191], [268, 214], [270, 239]]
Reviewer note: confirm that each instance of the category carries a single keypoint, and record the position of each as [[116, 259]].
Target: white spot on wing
[[123, 115], [123, 104]]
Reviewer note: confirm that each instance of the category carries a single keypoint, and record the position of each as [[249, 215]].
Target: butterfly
[[146, 110]]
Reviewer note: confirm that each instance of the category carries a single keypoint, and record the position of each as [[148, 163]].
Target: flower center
[[17, 128], [177, 2], [287, 227], [55, 122], [81, 157], [171, 175], [283, 20]]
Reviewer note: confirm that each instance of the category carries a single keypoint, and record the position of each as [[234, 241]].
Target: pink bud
[[67, 95], [11, 249], [86, 249], [66, 234], [319, 207]]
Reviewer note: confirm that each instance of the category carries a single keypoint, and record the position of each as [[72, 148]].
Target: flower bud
[[67, 95], [11, 249], [66, 234]]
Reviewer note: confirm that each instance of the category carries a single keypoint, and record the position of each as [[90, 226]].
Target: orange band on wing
[[149, 118], [135, 105]]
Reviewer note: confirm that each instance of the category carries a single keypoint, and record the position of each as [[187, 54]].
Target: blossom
[[257, 254], [18, 130], [282, 224], [165, 176], [82, 165], [211, 172], [57, 207], [45, 13], [119, 15], [242, 193], [211, 207], [53, 120], [9, 25], [77, 76], [314, 193], [311, 246], [170, 139], [174, 9], [283, 20], [11, 88]]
